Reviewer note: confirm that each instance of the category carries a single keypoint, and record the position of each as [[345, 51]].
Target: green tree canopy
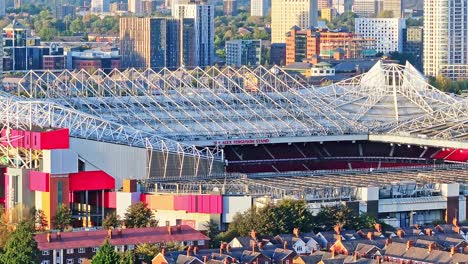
[[111, 221], [62, 218], [21, 246], [138, 215], [106, 255]]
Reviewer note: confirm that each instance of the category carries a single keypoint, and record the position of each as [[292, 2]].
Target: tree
[[126, 257], [21, 246], [148, 251], [212, 231], [111, 221], [287, 215], [138, 215], [106, 255], [62, 218], [40, 221]]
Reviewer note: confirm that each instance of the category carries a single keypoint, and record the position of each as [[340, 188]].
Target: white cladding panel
[[123, 200], [233, 205], [60, 161], [119, 161], [412, 204], [462, 209]]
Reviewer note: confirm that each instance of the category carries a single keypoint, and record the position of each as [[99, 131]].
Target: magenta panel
[[14, 133], [110, 200], [3, 135], [7, 186], [181, 203], [38, 181], [210, 204], [27, 139], [36, 140], [55, 139], [186, 203]]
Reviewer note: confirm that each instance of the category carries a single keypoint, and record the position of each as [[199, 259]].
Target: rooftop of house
[[129, 236]]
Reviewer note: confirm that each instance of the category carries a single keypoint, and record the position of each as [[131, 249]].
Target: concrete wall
[[233, 205], [60, 161], [119, 161]]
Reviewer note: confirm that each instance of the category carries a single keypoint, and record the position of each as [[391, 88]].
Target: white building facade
[[100, 6], [387, 32], [288, 13], [135, 7], [202, 13], [446, 38], [260, 8], [243, 52]]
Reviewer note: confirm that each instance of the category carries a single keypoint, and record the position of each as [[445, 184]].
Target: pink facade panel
[[110, 200], [39, 181], [210, 204], [55, 139], [36, 140], [14, 134], [186, 203], [27, 139]]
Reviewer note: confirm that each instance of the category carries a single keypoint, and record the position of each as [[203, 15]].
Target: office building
[[149, 42], [305, 44], [2, 8], [321, 4], [260, 8], [17, 4], [288, 13], [230, 7], [197, 36], [91, 60], [118, 7], [328, 14], [395, 6], [414, 45], [243, 52], [387, 32], [342, 6], [149, 6], [135, 7], [100, 6], [278, 54], [365, 8], [446, 38]]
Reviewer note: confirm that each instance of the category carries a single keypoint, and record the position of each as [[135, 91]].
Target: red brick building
[[74, 247]]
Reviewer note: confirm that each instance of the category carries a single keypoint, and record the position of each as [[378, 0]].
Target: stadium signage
[[242, 141]]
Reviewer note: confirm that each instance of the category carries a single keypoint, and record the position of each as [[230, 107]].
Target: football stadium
[[203, 144]]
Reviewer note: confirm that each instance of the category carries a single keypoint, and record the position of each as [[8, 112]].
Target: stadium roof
[[215, 104]]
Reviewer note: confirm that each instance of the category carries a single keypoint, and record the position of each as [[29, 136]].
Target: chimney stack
[[49, 237], [179, 228], [253, 235], [205, 259], [163, 251], [119, 232], [226, 261], [428, 231], [337, 229], [377, 259], [254, 245], [188, 251], [378, 227], [409, 244], [109, 233], [370, 235], [356, 256], [431, 247], [452, 251], [455, 221], [228, 248], [400, 233], [296, 232], [195, 250], [59, 236], [169, 230], [221, 247], [332, 253], [388, 241], [285, 245]]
